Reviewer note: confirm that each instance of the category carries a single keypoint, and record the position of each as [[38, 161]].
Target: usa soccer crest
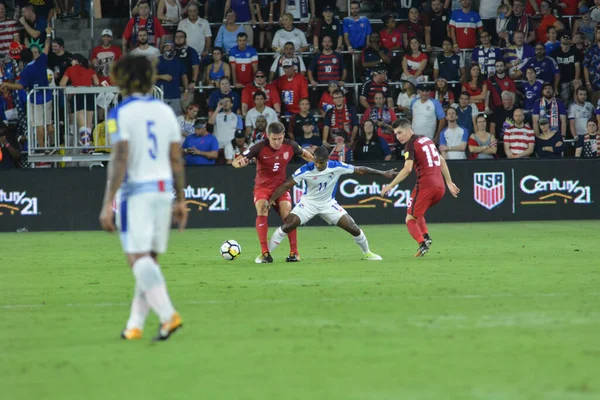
[[286, 155], [489, 188]]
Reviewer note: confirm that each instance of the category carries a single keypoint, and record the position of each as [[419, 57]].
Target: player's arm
[[177, 166], [244, 159], [446, 172], [240, 162], [117, 168], [307, 156], [390, 173], [290, 183], [402, 175]]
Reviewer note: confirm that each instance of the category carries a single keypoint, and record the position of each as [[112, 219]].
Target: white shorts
[[144, 222], [40, 114], [330, 211]]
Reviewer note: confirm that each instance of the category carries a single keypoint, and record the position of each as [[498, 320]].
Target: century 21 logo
[[17, 203]]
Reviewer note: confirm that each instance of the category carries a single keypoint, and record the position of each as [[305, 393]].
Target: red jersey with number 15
[[270, 163], [427, 163]]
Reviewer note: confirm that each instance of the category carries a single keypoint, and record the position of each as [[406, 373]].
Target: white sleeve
[[206, 28], [302, 65], [303, 41], [229, 153], [275, 64], [249, 120]]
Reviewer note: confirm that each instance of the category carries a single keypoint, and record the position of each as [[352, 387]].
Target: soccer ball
[[230, 250]]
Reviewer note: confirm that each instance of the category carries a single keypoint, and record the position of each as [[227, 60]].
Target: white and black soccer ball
[[230, 250]]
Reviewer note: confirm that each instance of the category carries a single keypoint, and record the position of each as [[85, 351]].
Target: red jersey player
[[421, 153], [272, 157]]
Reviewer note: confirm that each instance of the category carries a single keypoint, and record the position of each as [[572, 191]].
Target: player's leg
[[169, 318], [347, 223], [284, 204], [290, 224], [420, 200], [422, 224], [261, 203]]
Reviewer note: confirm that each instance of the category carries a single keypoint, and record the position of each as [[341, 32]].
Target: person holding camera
[[201, 148]]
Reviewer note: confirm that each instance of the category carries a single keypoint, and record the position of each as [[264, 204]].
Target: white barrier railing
[[64, 124]]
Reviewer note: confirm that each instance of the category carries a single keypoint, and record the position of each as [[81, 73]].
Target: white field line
[[324, 300]]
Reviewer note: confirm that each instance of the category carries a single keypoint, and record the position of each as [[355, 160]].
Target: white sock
[[362, 242], [152, 283], [139, 310], [277, 238]]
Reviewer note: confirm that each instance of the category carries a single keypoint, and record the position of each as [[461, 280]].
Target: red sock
[[422, 224], [262, 229], [293, 238], [414, 230]]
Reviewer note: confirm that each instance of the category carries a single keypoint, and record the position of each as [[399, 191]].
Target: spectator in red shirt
[[292, 87], [82, 105], [414, 27], [498, 83], [143, 20], [476, 86], [260, 84], [390, 37], [104, 55]]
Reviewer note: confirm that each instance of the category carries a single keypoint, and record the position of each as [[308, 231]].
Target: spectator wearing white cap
[[199, 36], [104, 55]]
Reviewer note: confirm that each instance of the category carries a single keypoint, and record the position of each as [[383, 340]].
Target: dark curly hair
[[133, 74]]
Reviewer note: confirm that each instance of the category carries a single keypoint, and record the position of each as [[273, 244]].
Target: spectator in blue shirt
[[201, 148], [356, 29], [189, 57], [546, 67], [224, 90], [171, 75], [34, 75]]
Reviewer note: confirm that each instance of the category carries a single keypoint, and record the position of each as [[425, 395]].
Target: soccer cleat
[[264, 258], [293, 257], [423, 249], [169, 327], [428, 240], [370, 256], [131, 334]]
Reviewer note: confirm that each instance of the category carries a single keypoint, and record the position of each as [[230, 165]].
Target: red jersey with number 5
[[427, 162], [270, 163]]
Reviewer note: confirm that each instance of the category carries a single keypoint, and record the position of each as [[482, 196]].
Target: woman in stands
[[585, 24], [549, 143], [408, 94], [370, 146], [442, 94], [218, 69], [188, 120], [169, 12], [227, 35], [476, 87], [414, 62], [289, 34], [414, 27], [482, 144], [82, 105]]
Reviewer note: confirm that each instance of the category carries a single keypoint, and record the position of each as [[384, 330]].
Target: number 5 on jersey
[[152, 138]]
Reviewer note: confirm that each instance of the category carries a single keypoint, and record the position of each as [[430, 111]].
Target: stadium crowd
[[497, 79]]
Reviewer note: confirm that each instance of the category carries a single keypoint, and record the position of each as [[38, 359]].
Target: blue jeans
[[77, 6]]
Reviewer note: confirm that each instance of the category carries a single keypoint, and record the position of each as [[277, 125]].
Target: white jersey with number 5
[[150, 126], [321, 186]]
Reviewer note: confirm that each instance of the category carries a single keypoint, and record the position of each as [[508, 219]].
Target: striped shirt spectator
[[8, 31], [519, 138], [376, 85], [327, 66]]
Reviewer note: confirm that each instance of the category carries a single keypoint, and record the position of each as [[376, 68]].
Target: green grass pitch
[[497, 311]]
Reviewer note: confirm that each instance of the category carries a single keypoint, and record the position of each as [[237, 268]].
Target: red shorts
[[423, 198], [265, 194]]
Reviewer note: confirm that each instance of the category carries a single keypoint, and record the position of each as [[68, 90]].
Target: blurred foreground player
[[321, 178], [421, 153], [272, 155], [146, 147]]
